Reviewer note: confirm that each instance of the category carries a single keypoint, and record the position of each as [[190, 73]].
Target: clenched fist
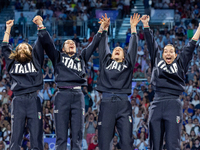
[[9, 23], [38, 20], [145, 19]]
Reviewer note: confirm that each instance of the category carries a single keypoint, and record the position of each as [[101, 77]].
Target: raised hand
[[145, 20], [134, 20], [9, 23], [105, 22], [38, 20]]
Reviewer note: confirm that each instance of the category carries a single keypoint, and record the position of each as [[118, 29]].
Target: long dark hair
[[15, 55]]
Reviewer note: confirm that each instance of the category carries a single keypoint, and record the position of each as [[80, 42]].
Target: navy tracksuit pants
[[165, 120], [115, 110], [26, 106], [69, 107]]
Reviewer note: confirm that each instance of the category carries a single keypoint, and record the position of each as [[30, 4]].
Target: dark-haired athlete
[[24, 66], [116, 73], [168, 74], [69, 70]]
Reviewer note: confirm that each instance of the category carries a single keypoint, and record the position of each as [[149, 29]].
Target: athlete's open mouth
[[117, 53], [168, 59], [71, 53]]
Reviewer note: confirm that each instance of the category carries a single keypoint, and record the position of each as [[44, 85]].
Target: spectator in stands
[[84, 144], [138, 119], [139, 73], [196, 101], [91, 37], [46, 92], [128, 35], [87, 98], [180, 34], [96, 58], [84, 43], [2, 145], [46, 146], [120, 6], [26, 5], [48, 74], [79, 23], [5, 97], [18, 5], [98, 4], [49, 12], [196, 127], [115, 142], [141, 142], [3, 123], [127, 7], [90, 128], [187, 142], [94, 143], [47, 23], [83, 7], [9, 92], [76, 39], [7, 134], [28, 145], [53, 88], [196, 146], [189, 126], [22, 22]]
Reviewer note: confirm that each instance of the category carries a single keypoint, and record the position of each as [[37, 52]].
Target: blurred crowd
[[65, 14]]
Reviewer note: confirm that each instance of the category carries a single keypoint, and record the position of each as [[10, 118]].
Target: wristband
[[41, 28], [195, 39]]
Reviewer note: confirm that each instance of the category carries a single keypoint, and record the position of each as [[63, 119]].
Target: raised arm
[[46, 41], [38, 52], [133, 42], [103, 48], [188, 50], [149, 38], [87, 52], [6, 48]]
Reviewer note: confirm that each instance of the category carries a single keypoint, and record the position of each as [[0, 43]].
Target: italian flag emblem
[[39, 115], [178, 119]]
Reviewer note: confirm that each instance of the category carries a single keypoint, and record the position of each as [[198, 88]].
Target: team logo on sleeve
[[178, 119]]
